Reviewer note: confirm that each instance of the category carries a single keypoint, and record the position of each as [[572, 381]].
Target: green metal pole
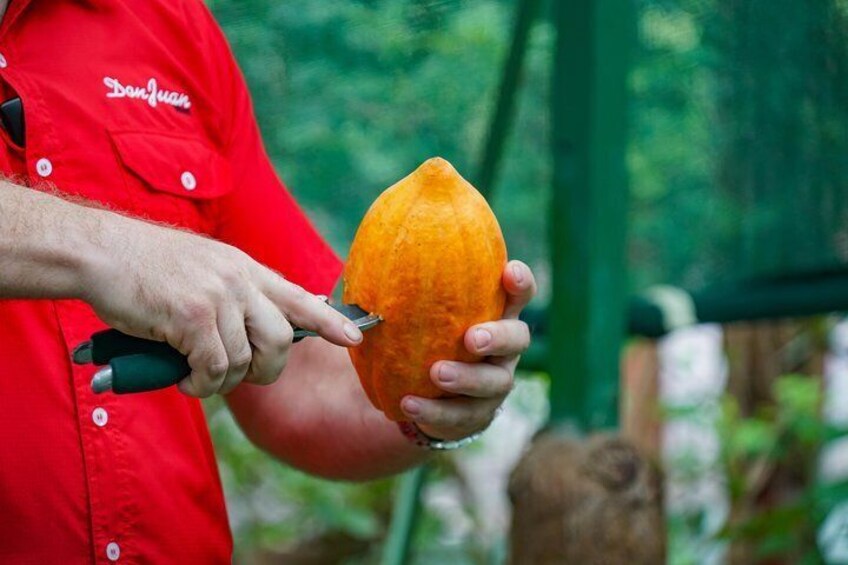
[[525, 14], [404, 516], [589, 209]]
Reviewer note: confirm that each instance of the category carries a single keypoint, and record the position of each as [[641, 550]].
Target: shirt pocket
[[171, 178]]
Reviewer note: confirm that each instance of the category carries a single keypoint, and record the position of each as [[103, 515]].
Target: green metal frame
[[788, 297], [501, 119], [589, 209], [405, 514], [648, 315]]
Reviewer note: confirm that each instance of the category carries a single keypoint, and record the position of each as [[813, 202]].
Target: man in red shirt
[[139, 108]]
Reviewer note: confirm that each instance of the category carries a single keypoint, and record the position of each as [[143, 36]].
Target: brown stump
[[587, 501]]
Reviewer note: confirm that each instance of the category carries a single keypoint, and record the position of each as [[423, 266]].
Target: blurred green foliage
[[768, 465], [273, 506], [352, 95], [787, 435]]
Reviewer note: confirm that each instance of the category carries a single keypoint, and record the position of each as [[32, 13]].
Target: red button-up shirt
[[138, 105]]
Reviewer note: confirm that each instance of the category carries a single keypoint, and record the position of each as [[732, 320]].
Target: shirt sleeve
[[260, 216]]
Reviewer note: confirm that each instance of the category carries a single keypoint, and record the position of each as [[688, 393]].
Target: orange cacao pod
[[428, 257]]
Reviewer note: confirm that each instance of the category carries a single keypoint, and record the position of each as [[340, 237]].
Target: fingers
[[481, 387], [451, 418], [310, 312], [504, 338], [234, 338], [208, 361], [271, 336], [252, 346], [478, 380], [520, 286]]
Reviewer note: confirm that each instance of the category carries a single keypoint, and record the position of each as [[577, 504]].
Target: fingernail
[[517, 273], [482, 338], [412, 407], [352, 332], [447, 373]]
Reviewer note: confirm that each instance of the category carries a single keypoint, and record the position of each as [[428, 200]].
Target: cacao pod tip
[[436, 167]]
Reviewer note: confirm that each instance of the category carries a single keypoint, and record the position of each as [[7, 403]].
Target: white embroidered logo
[[149, 93]]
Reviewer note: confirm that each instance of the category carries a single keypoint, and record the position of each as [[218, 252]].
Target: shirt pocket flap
[[182, 166]]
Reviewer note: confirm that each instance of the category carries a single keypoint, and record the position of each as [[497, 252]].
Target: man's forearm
[[317, 418], [45, 243]]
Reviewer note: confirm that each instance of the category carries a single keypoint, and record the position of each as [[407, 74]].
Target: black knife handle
[[12, 118]]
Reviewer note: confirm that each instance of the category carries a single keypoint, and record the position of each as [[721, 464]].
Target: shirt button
[[100, 417], [3, 62], [113, 551], [188, 180], [44, 167]]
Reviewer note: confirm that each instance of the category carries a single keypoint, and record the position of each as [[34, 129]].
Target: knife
[[135, 364]]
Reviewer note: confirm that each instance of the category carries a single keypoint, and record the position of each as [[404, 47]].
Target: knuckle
[[235, 280], [217, 370], [196, 313], [284, 336], [200, 387], [241, 360], [297, 293], [214, 288], [523, 336], [278, 343], [187, 386], [269, 372], [272, 281], [505, 382]]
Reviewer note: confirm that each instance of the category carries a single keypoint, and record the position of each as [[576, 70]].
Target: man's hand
[[483, 386], [227, 313]]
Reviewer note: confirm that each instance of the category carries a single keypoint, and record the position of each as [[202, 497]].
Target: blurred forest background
[[733, 105]]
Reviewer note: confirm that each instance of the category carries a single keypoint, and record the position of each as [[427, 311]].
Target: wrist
[[96, 234], [417, 436]]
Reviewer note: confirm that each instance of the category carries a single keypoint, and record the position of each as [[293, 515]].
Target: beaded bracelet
[[419, 438]]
